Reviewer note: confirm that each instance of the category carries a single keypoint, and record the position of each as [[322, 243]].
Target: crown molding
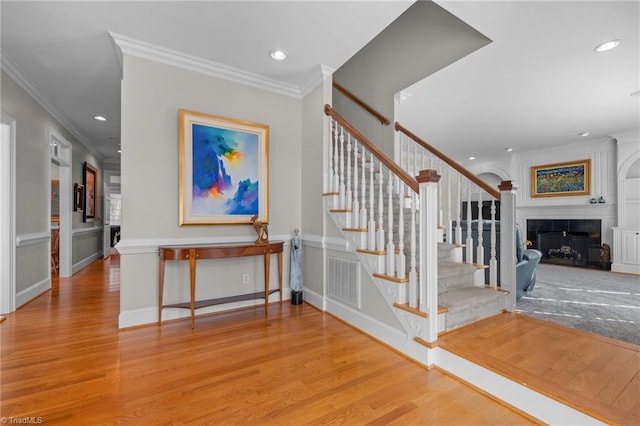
[[21, 80], [141, 49], [318, 75]]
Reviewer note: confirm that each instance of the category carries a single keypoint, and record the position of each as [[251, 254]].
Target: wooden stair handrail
[[466, 173], [391, 165], [384, 120]]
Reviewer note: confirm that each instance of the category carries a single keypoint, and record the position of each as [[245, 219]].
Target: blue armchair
[[527, 259]]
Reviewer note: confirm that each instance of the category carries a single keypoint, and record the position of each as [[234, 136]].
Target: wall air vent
[[343, 281]]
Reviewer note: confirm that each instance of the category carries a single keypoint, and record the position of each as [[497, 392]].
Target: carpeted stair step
[[454, 276], [470, 304]]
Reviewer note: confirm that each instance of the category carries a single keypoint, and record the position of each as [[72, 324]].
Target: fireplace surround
[[572, 242]]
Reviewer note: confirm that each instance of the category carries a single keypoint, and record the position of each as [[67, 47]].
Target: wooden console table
[[218, 251]]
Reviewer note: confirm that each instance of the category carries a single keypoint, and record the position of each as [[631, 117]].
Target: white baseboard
[[545, 409], [85, 262], [145, 316], [32, 292], [627, 269], [313, 299]]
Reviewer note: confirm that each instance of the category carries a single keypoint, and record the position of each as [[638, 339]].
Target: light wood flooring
[[64, 361], [597, 375]]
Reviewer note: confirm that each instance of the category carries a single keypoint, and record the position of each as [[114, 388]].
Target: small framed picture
[[90, 192], [78, 197]]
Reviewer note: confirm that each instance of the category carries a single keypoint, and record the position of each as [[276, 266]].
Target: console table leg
[[160, 290], [280, 274], [267, 264], [192, 282]]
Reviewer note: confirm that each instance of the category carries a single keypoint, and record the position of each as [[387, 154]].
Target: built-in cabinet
[[626, 243], [626, 236]]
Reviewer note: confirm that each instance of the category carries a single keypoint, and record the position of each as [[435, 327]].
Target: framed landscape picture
[[223, 170], [90, 192], [561, 179]]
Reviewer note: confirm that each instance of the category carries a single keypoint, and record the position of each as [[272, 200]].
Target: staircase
[[402, 230]]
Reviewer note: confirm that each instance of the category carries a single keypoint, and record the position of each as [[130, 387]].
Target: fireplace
[[573, 242]]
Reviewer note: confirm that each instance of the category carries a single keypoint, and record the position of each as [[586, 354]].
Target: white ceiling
[[538, 84], [64, 51]]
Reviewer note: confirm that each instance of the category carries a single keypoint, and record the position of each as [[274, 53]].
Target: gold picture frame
[[570, 178], [224, 170]]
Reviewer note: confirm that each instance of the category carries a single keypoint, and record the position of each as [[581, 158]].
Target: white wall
[[601, 152], [152, 94]]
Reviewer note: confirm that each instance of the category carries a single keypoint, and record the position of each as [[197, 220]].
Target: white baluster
[[493, 263], [363, 191], [391, 249], [449, 231], [469, 242], [458, 209], [440, 204], [401, 263], [348, 193], [329, 181], [372, 222], [336, 177], [413, 273], [355, 221], [341, 189], [380, 233], [480, 256]]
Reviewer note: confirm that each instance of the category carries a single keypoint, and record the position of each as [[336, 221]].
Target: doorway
[[60, 150]]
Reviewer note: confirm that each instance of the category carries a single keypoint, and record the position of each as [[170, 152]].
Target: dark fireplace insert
[[573, 242]]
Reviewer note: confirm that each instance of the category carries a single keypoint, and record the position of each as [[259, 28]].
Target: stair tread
[[461, 298]]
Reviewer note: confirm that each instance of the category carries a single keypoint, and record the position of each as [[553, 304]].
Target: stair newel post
[[391, 249], [356, 203], [469, 241], [480, 248], [380, 231], [348, 193], [507, 241], [372, 222], [428, 181], [458, 209], [413, 273], [341, 186], [493, 263]]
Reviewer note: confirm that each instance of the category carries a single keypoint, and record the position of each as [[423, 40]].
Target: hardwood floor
[[595, 374], [63, 360]]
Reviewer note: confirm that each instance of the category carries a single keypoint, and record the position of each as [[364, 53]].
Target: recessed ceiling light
[[607, 45], [279, 55], [472, 158], [583, 134], [99, 118], [119, 151], [508, 149]]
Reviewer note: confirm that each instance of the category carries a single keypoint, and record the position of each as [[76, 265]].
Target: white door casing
[[7, 215]]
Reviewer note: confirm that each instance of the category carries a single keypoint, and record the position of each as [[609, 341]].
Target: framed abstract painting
[[223, 170], [561, 179]]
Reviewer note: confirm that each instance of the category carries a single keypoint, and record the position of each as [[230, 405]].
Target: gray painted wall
[[152, 94], [33, 188]]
